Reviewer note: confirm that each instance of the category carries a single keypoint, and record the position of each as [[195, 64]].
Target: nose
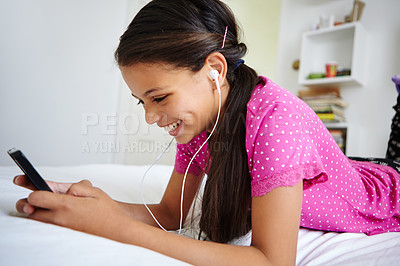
[[151, 115]]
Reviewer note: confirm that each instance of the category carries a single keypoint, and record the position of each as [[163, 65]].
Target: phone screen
[[23, 163]]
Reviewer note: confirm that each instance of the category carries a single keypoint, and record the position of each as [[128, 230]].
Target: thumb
[[83, 188]]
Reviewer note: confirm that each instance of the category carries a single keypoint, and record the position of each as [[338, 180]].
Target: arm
[[167, 211], [276, 218], [276, 222]]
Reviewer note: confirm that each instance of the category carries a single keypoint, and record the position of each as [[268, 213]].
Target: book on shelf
[[327, 103], [327, 109], [339, 135], [330, 117]]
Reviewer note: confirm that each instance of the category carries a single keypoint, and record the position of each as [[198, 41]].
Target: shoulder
[[271, 104], [268, 95]]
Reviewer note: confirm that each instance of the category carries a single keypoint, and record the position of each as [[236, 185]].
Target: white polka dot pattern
[[286, 143], [185, 152]]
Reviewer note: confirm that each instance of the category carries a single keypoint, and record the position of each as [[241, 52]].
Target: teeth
[[172, 126]]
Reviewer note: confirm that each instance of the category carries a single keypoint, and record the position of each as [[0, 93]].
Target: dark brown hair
[[183, 33]]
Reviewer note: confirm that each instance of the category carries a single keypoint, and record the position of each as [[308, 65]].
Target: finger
[[23, 181], [23, 206], [44, 215], [53, 201], [83, 189], [45, 199], [86, 183], [58, 187]]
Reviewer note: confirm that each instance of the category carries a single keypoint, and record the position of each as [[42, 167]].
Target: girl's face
[[180, 101]]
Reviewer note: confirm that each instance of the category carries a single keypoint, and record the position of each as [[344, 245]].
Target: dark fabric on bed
[[382, 161], [393, 150]]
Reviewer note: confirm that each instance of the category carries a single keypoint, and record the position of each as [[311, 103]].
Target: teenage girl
[[271, 164]]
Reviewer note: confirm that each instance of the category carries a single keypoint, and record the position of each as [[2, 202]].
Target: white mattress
[[23, 241]]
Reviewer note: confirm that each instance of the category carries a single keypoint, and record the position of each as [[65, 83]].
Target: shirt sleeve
[[185, 152], [280, 149]]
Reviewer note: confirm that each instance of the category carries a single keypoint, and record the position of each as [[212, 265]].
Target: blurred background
[[63, 101]]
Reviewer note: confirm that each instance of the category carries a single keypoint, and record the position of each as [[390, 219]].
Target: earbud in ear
[[214, 74]]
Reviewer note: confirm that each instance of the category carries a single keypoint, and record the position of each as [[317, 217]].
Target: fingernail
[[25, 209], [15, 179]]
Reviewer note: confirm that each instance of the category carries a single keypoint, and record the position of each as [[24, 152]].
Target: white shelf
[[330, 81], [344, 44], [333, 125]]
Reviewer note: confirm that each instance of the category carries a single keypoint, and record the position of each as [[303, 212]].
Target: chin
[[183, 139], [186, 137]]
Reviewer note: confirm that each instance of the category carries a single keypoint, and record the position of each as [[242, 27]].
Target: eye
[[160, 99], [139, 101]]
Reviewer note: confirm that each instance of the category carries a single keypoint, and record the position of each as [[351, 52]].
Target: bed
[[25, 241]]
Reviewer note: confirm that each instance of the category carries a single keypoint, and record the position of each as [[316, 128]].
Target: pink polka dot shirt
[[287, 143]]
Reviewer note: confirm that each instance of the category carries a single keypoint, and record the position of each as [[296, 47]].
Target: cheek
[[192, 109]]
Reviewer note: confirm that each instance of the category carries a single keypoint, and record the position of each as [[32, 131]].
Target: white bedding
[[23, 241]]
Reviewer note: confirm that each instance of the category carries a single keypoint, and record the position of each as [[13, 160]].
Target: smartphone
[[30, 172]]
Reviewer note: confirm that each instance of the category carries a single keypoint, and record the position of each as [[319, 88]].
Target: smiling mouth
[[172, 126]]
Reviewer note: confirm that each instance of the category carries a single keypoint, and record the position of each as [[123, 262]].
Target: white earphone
[[214, 75]]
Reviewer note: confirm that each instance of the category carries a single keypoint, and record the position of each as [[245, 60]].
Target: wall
[[259, 20], [369, 114], [58, 80], [58, 76]]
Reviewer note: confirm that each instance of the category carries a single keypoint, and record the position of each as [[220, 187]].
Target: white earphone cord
[[141, 184], [215, 78], [194, 156]]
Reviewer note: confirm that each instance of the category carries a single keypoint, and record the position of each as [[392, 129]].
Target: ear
[[217, 61]]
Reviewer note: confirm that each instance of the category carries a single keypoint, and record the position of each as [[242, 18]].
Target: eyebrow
[[147, 93]]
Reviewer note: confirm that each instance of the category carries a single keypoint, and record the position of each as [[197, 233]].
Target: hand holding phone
[[30, 172]]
